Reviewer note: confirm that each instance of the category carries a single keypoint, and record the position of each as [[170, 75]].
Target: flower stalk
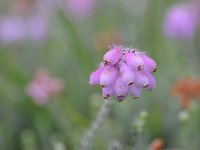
[[101, 116]]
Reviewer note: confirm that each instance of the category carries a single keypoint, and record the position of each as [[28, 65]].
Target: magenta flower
[[124, 71], [180, 21], [43, 87]]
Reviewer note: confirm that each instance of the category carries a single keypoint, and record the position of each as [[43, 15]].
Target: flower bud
[[127, 74], [120, 88], [150, 64], [108, 75], [95, 76], [135, 90], [112, 56], [107, 91], [134, 60], [140, 79]]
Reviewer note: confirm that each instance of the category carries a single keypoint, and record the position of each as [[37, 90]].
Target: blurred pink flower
[[80, 8], [43, 87], [11, 29], [180, 21]]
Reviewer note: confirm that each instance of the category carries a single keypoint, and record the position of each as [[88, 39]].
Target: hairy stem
[[101, 116]]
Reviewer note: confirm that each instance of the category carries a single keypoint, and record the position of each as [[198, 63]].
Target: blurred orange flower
[[157, 144], [186, 89]]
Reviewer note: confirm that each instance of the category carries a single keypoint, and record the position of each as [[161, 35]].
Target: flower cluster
[[124, 71], [43, 87]]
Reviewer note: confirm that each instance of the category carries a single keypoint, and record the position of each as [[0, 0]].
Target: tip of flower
[[120, 98], [155, 69], [106, 63], [107, 97], [131, 83], [145, 86], [102, 86]]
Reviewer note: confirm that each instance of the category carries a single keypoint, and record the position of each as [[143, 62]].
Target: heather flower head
[[124, 71], [43, 87], [181, 21]]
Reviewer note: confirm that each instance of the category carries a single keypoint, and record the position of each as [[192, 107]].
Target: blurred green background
[[72, 47]]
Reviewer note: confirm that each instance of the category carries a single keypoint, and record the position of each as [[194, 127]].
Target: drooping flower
[[112, 56], [127, 74], [43, 87], [134, 60], [124, 71], [95, 76], [121, 88], [108, 75], [180, 21]]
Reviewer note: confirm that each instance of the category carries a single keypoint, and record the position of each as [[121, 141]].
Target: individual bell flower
[[152, 81], [122, 97], [150, 64], [135, 90], [181, 21], [112, 56], [120, 88], [108, 75], [107, 91], [95, 76], [141, 79], [124, 71], [134, 60], [127, 74]]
